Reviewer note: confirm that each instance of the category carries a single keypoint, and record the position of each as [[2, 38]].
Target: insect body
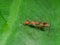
[[39, 25]]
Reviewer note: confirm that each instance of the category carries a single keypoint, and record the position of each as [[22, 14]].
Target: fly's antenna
[[50, 29]]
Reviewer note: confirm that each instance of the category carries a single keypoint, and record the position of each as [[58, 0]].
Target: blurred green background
[[13, 13]]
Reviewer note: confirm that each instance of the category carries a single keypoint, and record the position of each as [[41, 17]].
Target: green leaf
[[13, 14]]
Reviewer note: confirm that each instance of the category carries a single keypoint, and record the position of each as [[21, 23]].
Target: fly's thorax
[[39, 25]]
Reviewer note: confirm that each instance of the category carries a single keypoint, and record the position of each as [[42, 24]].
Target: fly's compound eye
[[27, 22]]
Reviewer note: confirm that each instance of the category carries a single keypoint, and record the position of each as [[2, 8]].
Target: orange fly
[[37, 24]]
